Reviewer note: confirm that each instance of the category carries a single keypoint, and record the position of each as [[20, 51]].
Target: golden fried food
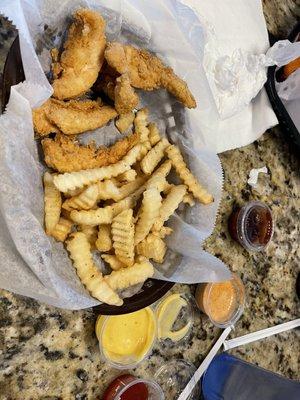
[[169, 205], [41, 123], [116, 57], [154, 156], [122, 230], [52, 203], [91, 232], [124, 122], [127, 176], [80, 252], [72, 180], [152, 247], [126, 277], [198, 191], [126, 98], [114, 263], [104, 242], [82, 57], [74, 117], [149, 212], [154, 135], [62, 229], [147, 71], [64, 154]]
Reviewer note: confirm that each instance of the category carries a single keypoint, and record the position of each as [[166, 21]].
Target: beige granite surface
[[48, 353]]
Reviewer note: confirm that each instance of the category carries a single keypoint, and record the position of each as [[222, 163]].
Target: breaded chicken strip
[[125, 97], [41, 123], [71, 117], [64, 154], [75, 116], [82, 57], [147, 71]]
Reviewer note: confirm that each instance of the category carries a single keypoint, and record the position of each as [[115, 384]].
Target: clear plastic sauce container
[[129, 387], [222, 302], [126, 340], [252, 226]]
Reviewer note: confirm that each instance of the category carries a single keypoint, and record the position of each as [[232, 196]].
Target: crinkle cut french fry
[[187, 177], [149, 212], [162, 171], [114, 263], [188, 199], [122, 230], [62, 230], [104, 242], [140, 125], [154, 135], [52, 203], [80, 252], [127, 176], [91, 232], [126, 277], [131, 187], [93, 217], [153, 157], [169, 205], [74, 192], [73, 180], [108, 189], [124, 122], [152, 247], [164, 231], [84, 201], [104, 215]]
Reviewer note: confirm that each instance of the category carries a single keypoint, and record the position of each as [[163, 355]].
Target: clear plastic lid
[[175, 317], [173, 378]]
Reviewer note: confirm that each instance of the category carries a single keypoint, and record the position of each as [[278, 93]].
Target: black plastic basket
[[283, 116]]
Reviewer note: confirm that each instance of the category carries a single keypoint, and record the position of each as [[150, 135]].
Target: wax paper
[[33, 264]]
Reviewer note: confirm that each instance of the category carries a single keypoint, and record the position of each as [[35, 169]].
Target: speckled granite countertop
[[47, 353]]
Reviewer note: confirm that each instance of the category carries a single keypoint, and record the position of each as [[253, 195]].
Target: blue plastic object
[[229, 378]]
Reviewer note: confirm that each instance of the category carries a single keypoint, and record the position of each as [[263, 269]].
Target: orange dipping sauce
[[222, 302]]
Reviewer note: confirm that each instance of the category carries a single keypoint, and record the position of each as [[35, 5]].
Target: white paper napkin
[[238, 25]]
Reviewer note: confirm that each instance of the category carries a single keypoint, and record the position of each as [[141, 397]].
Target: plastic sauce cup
[[252, 226], [129, 387], [222, 302], [130, 337]]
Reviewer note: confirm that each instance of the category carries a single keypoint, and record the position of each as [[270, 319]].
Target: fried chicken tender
[[64, 154], [41, 123], [82, 57], [147, 71], [125, 97], [72, 117]]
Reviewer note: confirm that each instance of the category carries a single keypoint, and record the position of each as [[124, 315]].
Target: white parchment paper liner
[[34, 264]]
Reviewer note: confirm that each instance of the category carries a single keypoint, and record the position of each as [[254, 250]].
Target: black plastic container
[[283, 116]]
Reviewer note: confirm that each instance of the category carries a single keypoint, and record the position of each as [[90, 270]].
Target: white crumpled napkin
[[236, 29]]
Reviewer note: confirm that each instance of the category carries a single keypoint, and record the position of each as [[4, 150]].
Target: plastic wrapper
[[37, 266]]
